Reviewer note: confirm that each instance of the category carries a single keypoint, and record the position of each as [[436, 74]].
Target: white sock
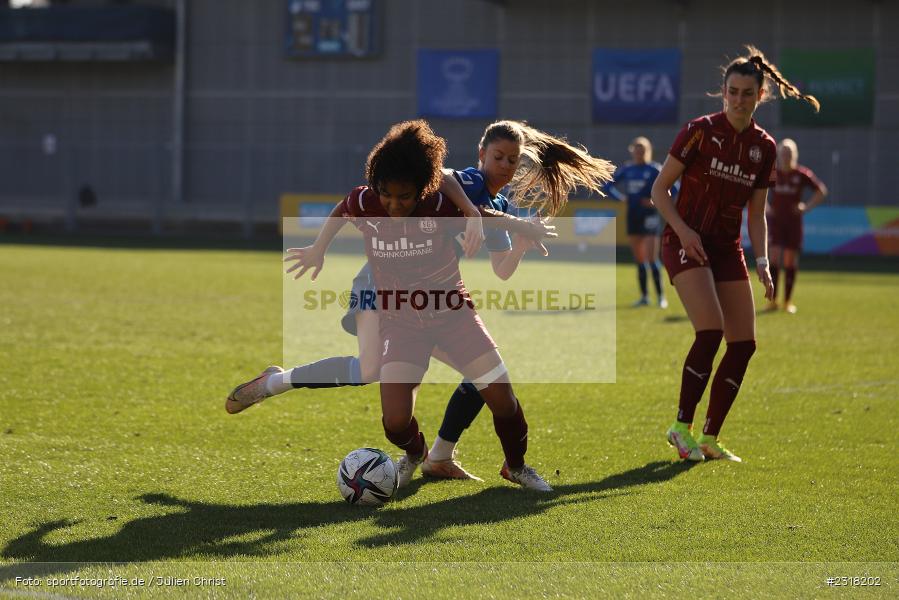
[[278, 383], [441, 449]]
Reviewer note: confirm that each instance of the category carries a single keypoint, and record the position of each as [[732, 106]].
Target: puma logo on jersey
[[733, 383], [373, 225], [717, 141]]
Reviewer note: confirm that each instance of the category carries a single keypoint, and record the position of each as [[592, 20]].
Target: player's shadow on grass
[[224, 531], [675, 319], [216, 530], [497, 504]]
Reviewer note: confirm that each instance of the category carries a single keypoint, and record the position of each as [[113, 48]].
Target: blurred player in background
[[643, 221], [785, 218], [725, 160]]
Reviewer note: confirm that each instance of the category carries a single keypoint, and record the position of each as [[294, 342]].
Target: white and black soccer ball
[[367, 476]]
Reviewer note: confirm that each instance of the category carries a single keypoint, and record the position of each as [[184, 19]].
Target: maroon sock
[[696, 373], [775, 275], [513, 435], [726, 384], [790, 280], [409, 439]]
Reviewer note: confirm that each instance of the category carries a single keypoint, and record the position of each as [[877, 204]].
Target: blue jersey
[[632, 183], [475, 185]]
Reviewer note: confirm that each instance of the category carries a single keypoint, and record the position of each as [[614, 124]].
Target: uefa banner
[[841, 80], [636, 86], [458, 84]]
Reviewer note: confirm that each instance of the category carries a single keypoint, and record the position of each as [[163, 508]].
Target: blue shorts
[[643, 222], [361, 298]]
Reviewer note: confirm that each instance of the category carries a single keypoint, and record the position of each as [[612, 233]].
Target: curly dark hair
[[410, 152]]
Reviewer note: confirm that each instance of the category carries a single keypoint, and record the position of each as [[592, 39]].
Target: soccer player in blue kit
[[635, 178], [499, 153]]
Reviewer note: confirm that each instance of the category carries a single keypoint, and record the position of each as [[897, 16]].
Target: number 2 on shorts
[[683, 256]]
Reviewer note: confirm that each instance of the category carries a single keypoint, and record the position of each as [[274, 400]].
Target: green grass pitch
[[114, 366]]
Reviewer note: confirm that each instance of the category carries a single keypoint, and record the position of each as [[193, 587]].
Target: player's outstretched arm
[[533, 229], [758, 235], [313, 257], [506, 263], [474, 228]]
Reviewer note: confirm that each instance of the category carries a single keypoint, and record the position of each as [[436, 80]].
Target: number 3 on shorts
[[386, 345], [683, 256]]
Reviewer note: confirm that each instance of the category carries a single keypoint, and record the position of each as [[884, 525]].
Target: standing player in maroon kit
[[785, 217], [725, 160]]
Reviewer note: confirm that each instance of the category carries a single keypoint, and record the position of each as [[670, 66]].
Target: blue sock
[[336, 371], [464, 405], [641, 276], [656, 277]]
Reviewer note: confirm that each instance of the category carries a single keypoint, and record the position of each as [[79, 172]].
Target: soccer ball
[[366, 476]]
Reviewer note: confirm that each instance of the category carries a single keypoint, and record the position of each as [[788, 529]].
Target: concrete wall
[[258, 124]]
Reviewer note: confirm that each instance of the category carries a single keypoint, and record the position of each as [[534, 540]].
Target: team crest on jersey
[[755, 154], [427, 225]]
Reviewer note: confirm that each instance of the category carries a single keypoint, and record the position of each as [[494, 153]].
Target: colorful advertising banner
[[871, 231], [837, 230], [848, 231], [841, 80], [635, 86], [458, 84]]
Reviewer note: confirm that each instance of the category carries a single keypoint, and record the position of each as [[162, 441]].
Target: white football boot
[[526, 477], [406, 467]]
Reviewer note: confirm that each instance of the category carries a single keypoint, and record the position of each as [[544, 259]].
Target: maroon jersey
[[788, 191], [723, 168], [413, 253]]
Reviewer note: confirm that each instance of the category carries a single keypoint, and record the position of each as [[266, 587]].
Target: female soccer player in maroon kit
[[422, 301], [785, 217], [725, 160]]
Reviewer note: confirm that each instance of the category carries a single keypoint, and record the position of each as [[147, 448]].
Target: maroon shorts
[[725, 259], [786, 232], [461, 334]]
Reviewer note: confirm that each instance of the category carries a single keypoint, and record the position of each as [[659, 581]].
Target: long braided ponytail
[[756, 65], [786, 89]]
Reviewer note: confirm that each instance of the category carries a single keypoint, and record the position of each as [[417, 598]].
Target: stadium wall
[[259, 124]]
